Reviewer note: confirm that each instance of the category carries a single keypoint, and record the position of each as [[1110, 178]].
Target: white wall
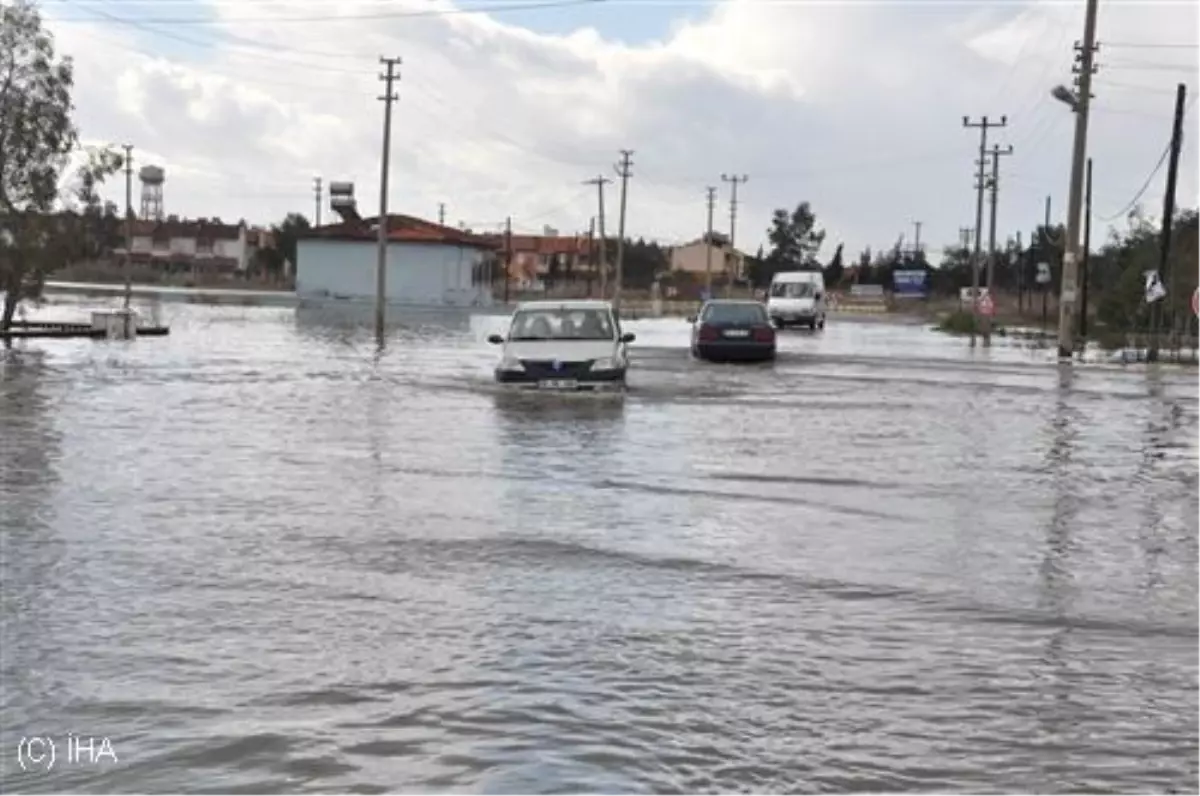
[[417, 273]]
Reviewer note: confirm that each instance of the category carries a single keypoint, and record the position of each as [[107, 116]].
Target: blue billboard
[[910, 284]]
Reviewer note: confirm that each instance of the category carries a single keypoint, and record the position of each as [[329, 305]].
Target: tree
[[37, 137], [286, 234], [835, 270], [795, 240]]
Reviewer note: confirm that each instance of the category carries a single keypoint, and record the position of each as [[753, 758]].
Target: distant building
[[692, 258], [428, 264], [204, 245], [538, 258]]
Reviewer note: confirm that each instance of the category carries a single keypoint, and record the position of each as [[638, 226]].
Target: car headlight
[[511, 363], [608, 363]]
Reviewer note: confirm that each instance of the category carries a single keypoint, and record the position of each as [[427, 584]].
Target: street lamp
[[1066, 96]]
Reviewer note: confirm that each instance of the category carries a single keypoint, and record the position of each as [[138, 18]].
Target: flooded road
[[257, 557]]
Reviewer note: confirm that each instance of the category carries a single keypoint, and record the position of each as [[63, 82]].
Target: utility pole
[[624, 172], [991, 271], [980, 183], [712, 198], [599, 181], [1164, 249], [317, 201], [507, 255], [733, 205], [1087, 255], [388, 98], [916, 239], [1048, 244], [1085, 56], [591, 253], [128, 224], [441, 214]]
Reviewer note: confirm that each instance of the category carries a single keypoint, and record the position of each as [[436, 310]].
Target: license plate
[[557, 384], [736, 333]]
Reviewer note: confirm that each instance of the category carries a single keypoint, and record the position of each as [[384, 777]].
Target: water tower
[[152, 178]]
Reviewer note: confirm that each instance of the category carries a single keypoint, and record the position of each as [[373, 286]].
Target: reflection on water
[[263, 556]]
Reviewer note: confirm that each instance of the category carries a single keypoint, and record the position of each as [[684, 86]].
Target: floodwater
[[254, 556]]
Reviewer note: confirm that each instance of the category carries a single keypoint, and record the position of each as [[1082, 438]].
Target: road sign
[[986, 306], [1043, 273]]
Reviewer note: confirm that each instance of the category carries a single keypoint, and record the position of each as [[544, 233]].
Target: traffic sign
[[986, 306], [1043, 273]]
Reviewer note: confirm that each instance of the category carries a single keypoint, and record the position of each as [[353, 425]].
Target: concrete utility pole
[[708, 252], [623, 170], [1087, 254], [507, 255], [388, 98], [733, 206], [980, 184], [1085, 56], [591, 252], [991, 271], [128, 224], [1164, 249], [441, 214], [599, 181], [916, 238], [316, 201]]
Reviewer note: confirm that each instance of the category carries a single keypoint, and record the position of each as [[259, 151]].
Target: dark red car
[[733, 330]]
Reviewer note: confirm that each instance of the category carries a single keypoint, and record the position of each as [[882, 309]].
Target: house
[[427, 264], [202, 245], [692, 258], [539, 259]]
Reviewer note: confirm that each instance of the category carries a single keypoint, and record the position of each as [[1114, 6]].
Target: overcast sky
[[855, 107]]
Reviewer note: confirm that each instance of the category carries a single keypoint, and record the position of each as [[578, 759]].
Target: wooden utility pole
[[1085, 56], [916, 239], [388, 98], [980, 184], [623, 170], [708, 249], [733, 206], [991, 270], [316, 201], [600, 181], [1087, 255], [1164, 249]]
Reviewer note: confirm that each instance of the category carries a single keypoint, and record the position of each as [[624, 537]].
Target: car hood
[[565, 350]]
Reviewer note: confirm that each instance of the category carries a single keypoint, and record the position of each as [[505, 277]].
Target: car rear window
[[734, 313]]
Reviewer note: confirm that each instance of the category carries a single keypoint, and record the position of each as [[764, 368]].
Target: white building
[[203, 244], [427, 264]]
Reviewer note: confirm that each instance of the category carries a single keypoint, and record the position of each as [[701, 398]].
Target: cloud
[[854, 107]]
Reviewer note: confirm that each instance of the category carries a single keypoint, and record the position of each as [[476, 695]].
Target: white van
[[563, 345], [797, 297]]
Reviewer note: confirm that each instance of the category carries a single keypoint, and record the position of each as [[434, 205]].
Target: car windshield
[[793, 290], [734, 313], [562, 324]]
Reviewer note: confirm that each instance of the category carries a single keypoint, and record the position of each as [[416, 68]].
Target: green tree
[[795, 238], [835, 270], [37, 138], [285, 234]]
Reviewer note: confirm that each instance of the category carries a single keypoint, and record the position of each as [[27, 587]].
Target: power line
[[380, 15], [1145, 186], [1150, 45]]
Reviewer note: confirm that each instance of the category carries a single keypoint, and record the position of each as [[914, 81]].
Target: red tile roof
[[401, 229], [543, 244]]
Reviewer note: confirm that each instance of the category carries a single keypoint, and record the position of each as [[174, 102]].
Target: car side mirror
[[495, 339], [628, 337], [818, 295], [691, 319]]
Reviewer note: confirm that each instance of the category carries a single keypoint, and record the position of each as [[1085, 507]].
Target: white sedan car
[[563, 345]]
